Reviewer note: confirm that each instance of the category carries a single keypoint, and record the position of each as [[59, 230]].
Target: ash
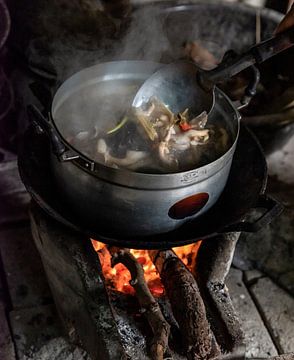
[[58, 349]]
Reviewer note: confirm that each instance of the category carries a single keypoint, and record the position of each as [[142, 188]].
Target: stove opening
[[118, 277]]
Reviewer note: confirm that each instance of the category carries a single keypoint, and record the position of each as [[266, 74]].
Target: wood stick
[[157, 322], [187, 305]]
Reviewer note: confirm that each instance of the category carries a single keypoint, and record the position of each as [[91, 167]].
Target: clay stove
[[113, 325]]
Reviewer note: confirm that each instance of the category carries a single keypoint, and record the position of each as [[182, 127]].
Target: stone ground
[[271, 250], [29, 325]]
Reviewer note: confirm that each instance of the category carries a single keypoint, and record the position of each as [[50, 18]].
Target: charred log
[[148, 304], [213, 262], [187, 305]]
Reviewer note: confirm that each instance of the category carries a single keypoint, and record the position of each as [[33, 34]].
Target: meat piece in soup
[[152, 139]]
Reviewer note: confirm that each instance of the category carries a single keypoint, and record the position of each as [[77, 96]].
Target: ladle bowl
[[182, 85], [176, 85]]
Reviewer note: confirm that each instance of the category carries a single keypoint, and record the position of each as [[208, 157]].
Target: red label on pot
[[188, 206]]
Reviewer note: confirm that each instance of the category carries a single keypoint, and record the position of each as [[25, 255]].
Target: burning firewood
[[149, 305], [187, 305]]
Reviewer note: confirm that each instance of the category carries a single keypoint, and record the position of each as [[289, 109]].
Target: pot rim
[[183, 5], [129, 178]]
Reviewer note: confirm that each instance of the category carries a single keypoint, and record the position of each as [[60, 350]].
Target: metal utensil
[[182, 85]]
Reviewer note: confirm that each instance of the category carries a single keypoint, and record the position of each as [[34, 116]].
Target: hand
[[287, 22]]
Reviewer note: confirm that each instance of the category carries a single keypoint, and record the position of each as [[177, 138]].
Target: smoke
[[66, 36], [69, 36], [145, 38]]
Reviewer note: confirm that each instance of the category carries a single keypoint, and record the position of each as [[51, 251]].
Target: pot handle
[[42, 92], [42, 123], [250, 90], [272, 208]]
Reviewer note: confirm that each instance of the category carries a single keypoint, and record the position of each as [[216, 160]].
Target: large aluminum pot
[[122, 202]]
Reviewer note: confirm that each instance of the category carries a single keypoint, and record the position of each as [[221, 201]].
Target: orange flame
[[119, 276]]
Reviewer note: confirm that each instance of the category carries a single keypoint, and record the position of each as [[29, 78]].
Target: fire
[[118, 277]]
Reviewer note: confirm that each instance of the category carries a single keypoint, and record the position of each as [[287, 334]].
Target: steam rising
[[145, 38], [71, 35], [74, 35]]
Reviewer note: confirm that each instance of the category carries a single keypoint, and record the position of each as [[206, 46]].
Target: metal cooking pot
[[129, 203]]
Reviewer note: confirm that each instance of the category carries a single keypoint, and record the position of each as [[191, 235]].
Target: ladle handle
[[255, 55]]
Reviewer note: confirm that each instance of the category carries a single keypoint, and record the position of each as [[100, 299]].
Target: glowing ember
[[118, 277]]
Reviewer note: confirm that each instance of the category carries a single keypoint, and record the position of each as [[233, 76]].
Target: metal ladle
[[182, 85]]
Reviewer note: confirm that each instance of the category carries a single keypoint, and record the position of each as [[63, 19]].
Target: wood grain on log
[[187, 305]]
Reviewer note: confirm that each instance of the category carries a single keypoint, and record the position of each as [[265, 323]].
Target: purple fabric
[[6, 90], [4, 23], [6, 95]]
